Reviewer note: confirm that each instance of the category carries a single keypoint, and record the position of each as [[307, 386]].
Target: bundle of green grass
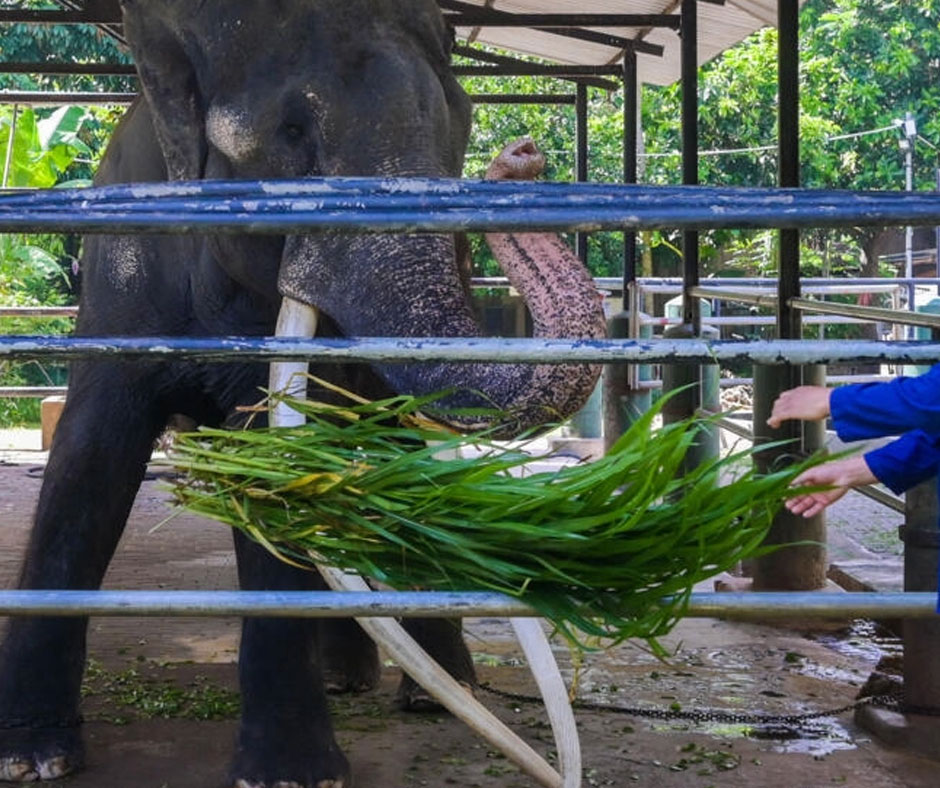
[[607, 549]]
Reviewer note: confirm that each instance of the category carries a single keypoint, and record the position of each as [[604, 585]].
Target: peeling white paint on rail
[[393, 350]]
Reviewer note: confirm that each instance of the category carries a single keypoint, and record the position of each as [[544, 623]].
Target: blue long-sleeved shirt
[[909, 407]]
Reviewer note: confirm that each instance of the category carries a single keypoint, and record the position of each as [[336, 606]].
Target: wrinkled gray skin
[[261, 88]]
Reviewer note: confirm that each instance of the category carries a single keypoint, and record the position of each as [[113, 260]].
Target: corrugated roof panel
[[720, 27]]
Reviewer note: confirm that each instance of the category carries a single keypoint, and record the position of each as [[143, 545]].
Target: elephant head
[[295, 88]]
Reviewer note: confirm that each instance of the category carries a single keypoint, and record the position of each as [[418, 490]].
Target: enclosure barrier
[[356, 205], [752, 605], [374, 205]]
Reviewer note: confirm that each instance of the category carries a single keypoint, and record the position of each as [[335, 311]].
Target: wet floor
[[732, 668]]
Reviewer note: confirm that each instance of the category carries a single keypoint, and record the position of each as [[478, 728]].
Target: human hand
[[840, 474], [809, 403]]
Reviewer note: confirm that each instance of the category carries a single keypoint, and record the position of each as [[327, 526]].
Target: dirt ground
[[160, 697]]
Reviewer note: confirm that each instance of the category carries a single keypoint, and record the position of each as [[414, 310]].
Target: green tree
[[864, 63], [50, 146]]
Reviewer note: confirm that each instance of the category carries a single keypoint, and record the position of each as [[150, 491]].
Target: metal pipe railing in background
[[32, 391], [755, 299], [38, 311], [869, 313], [441, 604]]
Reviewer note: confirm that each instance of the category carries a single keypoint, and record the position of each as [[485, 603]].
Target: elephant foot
[[32, 754], [412, 697], [349, 659], [289, 761], [341, 683]]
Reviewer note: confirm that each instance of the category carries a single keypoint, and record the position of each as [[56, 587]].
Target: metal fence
[[398, 205]]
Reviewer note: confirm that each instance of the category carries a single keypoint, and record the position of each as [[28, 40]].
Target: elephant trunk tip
[[519, 161]]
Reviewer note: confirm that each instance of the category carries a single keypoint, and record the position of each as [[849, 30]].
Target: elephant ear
[[169, 82]]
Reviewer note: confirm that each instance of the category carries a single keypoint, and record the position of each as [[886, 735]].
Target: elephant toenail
[[54, 768], [16, 770]]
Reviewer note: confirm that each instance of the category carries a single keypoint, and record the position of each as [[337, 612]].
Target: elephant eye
[[294, 131]]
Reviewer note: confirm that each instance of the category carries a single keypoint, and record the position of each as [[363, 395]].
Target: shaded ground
[[144, 670]]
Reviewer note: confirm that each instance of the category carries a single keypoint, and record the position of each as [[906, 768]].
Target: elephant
[[267, 89]]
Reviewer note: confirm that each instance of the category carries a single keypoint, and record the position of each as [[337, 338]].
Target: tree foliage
[[864, 64], [50, 147]]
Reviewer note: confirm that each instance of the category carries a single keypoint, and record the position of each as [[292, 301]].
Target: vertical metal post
[[910, 134], [936, 238], [917, 727], [788, 175], [587, 422], [691, 315], [624, 400], [802, 567], [687, 377], [630, 146], [921, 541], [581, 158]]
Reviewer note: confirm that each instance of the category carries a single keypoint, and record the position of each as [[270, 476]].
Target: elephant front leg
[[96, 465], [285, 738]]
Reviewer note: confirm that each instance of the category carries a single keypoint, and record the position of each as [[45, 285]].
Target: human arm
[[867, 410], [839, 475], [872, 410], [807, 403], [901, 464]]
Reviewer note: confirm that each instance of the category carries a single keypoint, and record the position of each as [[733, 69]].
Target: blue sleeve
[[911, 459], [872, 410]]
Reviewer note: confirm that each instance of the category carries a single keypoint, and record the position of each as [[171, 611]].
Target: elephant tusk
[[454, 697], [299, 320], [538, 653], [294, 320]]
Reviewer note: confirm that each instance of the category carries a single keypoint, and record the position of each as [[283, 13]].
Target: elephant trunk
[[409, 286]]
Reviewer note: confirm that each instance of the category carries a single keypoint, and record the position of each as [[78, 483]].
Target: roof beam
[[513, 63], [536, 70], [483, 17], [66, 68], [592, 36], [32, 17]]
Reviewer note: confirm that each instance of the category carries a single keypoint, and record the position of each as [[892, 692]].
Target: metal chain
[[892, 700]]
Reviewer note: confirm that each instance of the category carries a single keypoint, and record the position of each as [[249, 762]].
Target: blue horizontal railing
[[367, 205], [487, 349], [442, 604]]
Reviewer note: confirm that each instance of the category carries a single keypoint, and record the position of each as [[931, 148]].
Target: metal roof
[[575, 41], [719, 26]]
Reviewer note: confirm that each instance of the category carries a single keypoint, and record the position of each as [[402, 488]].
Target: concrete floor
[[716, 665]]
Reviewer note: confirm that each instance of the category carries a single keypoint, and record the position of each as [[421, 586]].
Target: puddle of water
[[863, 639], [820, 737]]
